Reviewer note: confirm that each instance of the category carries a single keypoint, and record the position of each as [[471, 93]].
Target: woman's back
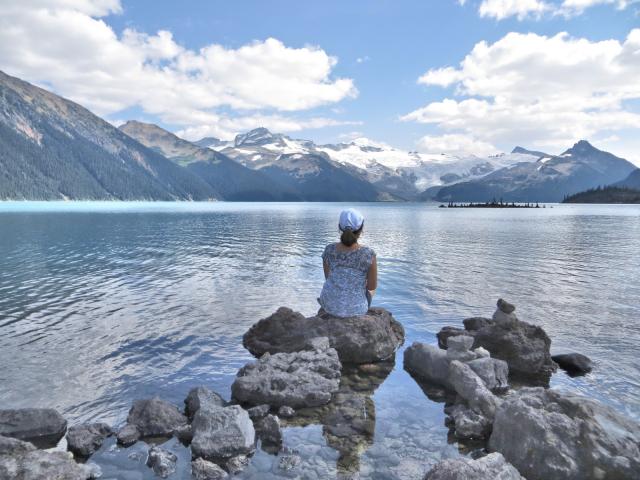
[[345, 288]]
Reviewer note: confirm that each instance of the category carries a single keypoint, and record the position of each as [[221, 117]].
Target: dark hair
[[349, 237]]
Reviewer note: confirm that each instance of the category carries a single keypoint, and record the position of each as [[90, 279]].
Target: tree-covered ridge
[[609, 194]]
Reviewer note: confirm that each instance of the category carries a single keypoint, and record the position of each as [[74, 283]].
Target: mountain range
[[52, 148]]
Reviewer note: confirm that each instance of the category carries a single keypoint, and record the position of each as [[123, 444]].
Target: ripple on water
[[101, 304]]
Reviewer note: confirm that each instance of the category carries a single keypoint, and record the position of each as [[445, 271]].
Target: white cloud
[[540, 91], [65, 45], [227, 128], [455, 144], [501, 9]]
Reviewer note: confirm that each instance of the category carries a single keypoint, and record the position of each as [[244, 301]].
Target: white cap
[[351, 219]]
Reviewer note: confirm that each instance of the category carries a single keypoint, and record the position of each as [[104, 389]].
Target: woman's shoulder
[[367, 251], [329, 249]]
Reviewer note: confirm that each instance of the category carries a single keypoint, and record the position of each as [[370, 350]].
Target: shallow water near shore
[[105, 303]]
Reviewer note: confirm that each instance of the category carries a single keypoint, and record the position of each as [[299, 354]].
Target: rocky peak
[[581, 148], [257, 136]]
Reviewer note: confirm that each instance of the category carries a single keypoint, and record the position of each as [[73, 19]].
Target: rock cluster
[[369, 338], [22, 460], [525, 347]]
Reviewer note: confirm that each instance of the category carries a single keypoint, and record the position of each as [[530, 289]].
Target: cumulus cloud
[[521, 9], [537, 90], [67, 45]]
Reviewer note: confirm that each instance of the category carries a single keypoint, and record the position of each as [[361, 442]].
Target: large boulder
[[298, 379], [23, 461], [84, 440], [220, 433], [155, 417], [491, 467], [431, 364], [43, 427], [361, 339], [525, 347], [551, 435]]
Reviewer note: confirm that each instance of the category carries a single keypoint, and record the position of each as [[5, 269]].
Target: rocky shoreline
[[323, 370]]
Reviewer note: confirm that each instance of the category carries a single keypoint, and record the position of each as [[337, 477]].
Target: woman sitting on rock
[[350, 270]]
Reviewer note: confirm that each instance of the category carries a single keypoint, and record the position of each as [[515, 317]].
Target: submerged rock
[[201, 396], [574, 364], [491, 467], [525, 347], [220, 433], [549, 435], [362, 339], [22, 460], [43, 427], [299, 379], [154, 416], [84, 440], [204, 470], [163, 462]]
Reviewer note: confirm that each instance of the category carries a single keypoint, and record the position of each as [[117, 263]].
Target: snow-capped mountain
[[397, 173], [549, 179]]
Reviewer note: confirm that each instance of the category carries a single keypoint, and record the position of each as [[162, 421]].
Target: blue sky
[[381, 47]]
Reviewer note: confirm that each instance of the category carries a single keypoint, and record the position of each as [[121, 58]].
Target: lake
[[104, 303]]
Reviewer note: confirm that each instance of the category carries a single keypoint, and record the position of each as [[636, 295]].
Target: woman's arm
[[325, 266], [372, 276]]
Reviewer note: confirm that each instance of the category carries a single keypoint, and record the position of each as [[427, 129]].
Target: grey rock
[[428, 363], [461, 343], [286, 412], [200, 396], [268, 431], [573, 363], [128, 435], [432, 364], [204, 470], [468, 424], [84, 440], [42, 426], [163, 462], [471, 388], [237, 464], [362, 339], [297, 379], [551, 435], [493, 372], [289, 462], [491, 467], [23, 461], [258, 411], [220, 433], [155, 417], [505, 306]]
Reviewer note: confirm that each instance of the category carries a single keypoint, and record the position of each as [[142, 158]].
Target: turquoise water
[[104, 303]]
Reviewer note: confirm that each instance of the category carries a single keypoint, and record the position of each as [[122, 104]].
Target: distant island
[[610, 194], [492, 204]]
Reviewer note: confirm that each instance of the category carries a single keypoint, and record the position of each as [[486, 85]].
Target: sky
[[453, 76]]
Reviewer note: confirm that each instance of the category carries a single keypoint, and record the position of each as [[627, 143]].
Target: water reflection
[[349, 420]]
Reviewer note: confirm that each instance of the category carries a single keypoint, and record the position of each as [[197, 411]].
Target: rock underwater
[[369, 338]]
